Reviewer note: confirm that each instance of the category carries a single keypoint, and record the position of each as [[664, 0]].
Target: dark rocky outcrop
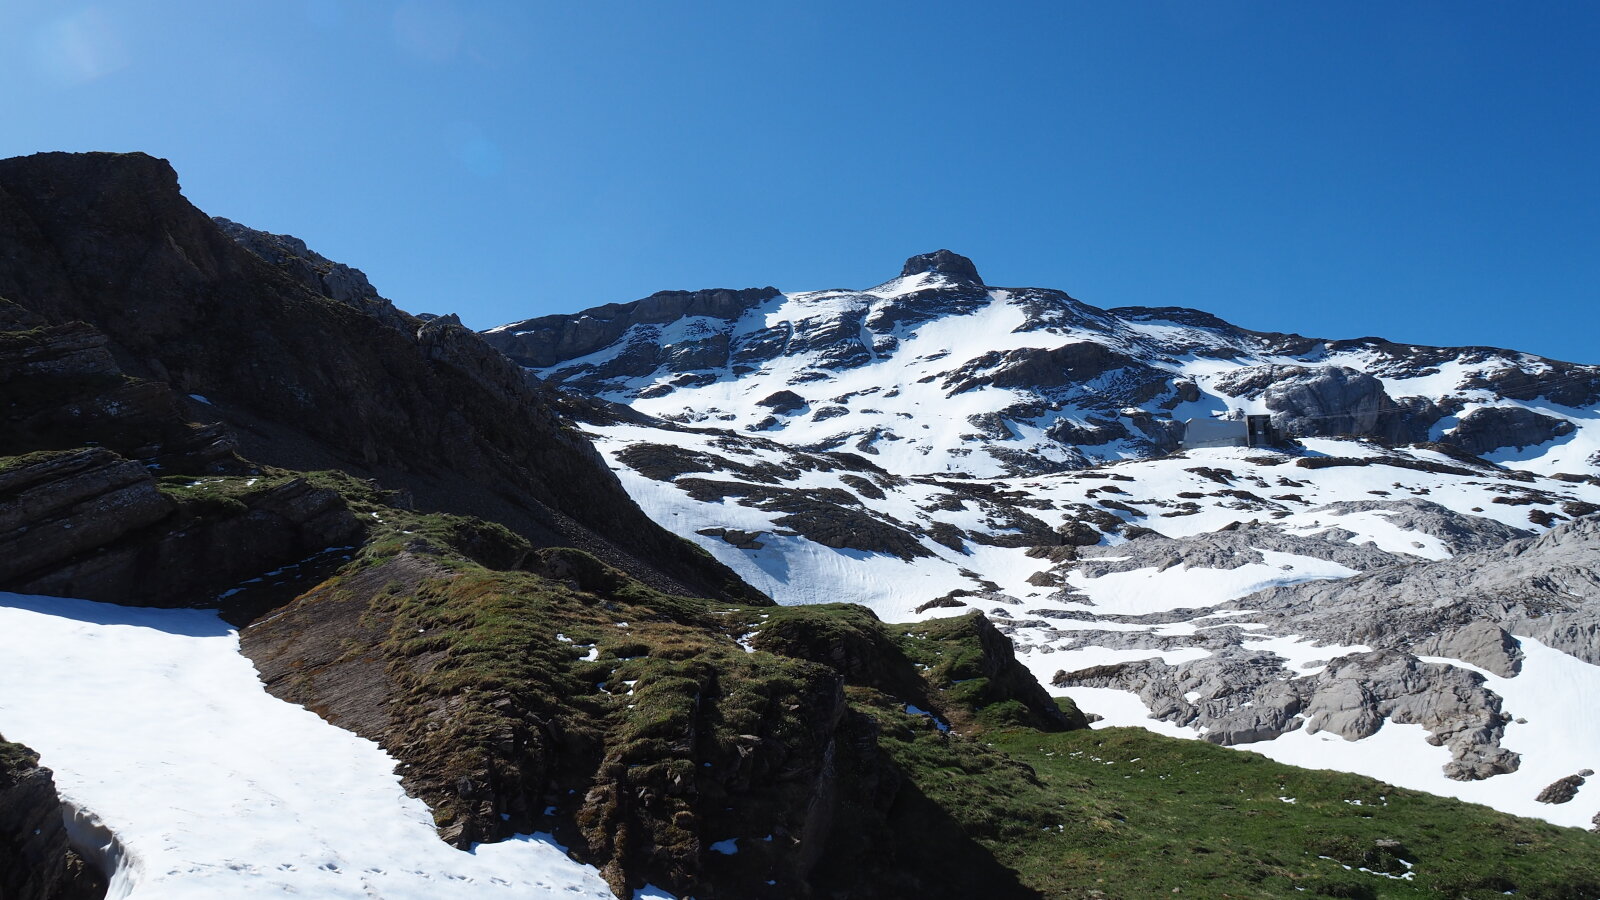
[[322, 275], [1557, 381], [1492, 427], [307, 380], [60, 387], [90, 524], [942, 262], [1066, 365], [36, 859], [548, 340], [1562, 790], [831, 517], [56, 506], [783, 402]]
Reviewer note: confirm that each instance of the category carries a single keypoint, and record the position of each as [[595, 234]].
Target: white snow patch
[[254, 797], [1558, 740]]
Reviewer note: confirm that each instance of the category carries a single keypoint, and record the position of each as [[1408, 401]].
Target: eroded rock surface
[[1377, 626], [37, 861]]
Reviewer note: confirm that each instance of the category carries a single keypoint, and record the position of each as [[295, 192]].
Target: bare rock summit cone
[[942, 262]]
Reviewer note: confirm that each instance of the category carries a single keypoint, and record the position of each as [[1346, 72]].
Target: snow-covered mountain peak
[[934, 371]]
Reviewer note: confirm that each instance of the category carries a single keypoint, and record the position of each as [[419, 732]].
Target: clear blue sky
[[1428, 172]]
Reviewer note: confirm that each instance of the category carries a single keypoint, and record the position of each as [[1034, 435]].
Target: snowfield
[[1552, 728], [160, 733], [1176, 496]]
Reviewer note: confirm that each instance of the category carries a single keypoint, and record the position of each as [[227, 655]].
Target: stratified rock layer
[[36, 860]]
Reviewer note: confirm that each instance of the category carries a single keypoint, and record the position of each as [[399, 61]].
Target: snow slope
[[937, 373], [127, 704], [935, 438]]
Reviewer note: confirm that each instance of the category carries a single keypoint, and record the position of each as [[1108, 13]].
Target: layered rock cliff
[[307, 367], [37, 861]]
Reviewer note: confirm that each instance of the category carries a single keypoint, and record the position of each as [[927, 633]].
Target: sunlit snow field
[[1552, 692], [155, 724]]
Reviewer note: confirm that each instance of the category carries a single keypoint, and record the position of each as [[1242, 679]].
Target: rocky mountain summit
[[1031, 380]]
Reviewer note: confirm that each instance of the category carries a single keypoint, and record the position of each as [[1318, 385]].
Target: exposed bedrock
[[37, 861], [1465, 608], [61, 387], [1240, 696], [54, 506], [1322, 400], [1228, 549], [1492, 427], [1545, 587], [87, 523], [1064, 366], [1458, 532], [548, 340], [324, 276], [942, 262]]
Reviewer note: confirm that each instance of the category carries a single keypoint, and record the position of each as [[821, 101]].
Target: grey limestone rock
[[1545, 587], [1228, 549], [1492, 427], [1320, 400], [1240, 696], [1459, 532]]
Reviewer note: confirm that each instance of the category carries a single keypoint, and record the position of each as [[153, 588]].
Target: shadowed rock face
[[309, 367], [36, 862], [942, 262], [1490, 428]]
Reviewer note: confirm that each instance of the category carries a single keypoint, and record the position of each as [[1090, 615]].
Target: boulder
[[1493, 427], [1321, 400], [1562, 790]]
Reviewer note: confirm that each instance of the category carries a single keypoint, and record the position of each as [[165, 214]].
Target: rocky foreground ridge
[[418, 543]]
